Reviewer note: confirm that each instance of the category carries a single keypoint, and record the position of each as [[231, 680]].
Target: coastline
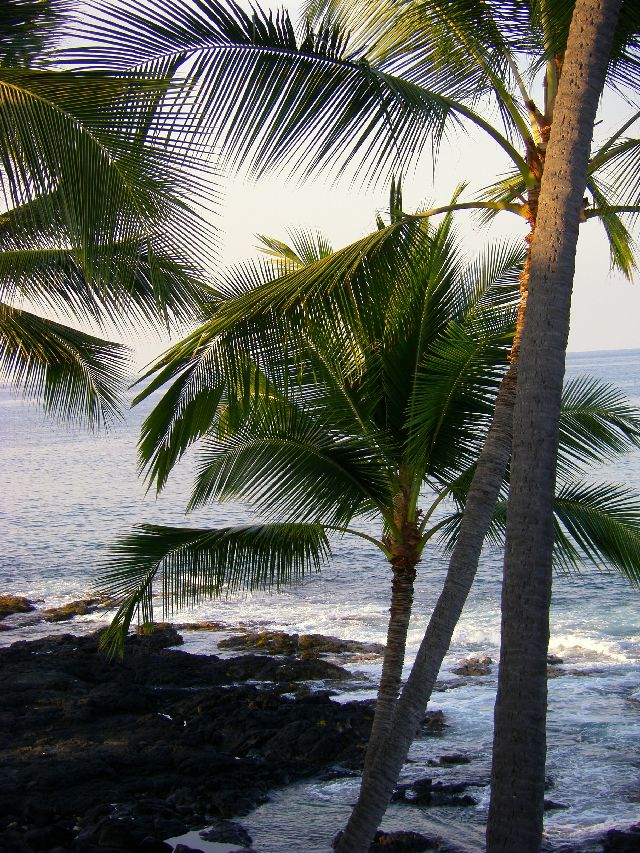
[[167, 742]]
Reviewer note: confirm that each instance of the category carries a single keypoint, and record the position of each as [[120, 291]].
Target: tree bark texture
[[517, 801], [386, 763], [404, 560]]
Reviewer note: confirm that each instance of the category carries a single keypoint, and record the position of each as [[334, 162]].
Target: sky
[[605, 308]]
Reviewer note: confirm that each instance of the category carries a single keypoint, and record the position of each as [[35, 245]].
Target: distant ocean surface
[[67, 494]]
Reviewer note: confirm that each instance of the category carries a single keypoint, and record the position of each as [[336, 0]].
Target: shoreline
[[167, 741]]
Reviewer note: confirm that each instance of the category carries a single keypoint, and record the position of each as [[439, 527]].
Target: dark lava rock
[[622, 840], [307, 645], [426, 792], [433, 723], [551, 805], [474, 666], [75, 608], [10, 604], [449, 760], [227, 832], [403, 842], [202, 626], [554, 660], [136, 750]]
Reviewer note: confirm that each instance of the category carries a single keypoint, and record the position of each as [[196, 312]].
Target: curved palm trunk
[[516, 811], [404, 561]]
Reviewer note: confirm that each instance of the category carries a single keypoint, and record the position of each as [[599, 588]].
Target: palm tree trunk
[[382, 767], [404, 573], [385, 764], [404, 547], [516, 811]]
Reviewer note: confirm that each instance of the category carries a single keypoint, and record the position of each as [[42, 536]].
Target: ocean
[[67, 494]]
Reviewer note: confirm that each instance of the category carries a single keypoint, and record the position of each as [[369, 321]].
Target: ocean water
[[67, 494]]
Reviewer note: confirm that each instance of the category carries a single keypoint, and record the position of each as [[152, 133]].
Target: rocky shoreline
[[107, 756]]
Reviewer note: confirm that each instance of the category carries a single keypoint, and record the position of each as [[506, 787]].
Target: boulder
[[306, 645], [449, 760], [403, 842], [75, 608], [622, 840], [473, 665], [426, 792], [10, 604], [227, 832]]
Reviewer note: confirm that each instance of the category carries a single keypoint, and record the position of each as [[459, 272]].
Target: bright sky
[[606, 307]]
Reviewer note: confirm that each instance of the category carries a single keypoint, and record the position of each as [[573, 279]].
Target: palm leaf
[[28, 27], [76, 376], [604, 522], [292, 465], [597, 424], [277, 101], [196, 564]]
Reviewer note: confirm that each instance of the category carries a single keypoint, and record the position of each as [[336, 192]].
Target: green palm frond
[[194, 565], [597, 424], [76, 376], [276, 101], [28, 27], [459, 374], [604, 522], [594, 522], [136, 283], [621, 244], [624, 62], [304, 248], [454, 393], [85, 154], [292, 465]]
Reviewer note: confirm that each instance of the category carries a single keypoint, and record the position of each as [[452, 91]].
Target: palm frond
[[275, 101], [84, 153], [597, 424], [304, 247], [194, 565], [292, 465], [604, 521], [28, 27], [75, 376]]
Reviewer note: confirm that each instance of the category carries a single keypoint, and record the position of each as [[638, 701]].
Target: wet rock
[[551, 805], [554, 660], [452, 758], [433, 723], [202, 626], [622, 840], [10, 604], [316, 644], [555, 672], [75, 608], [227, 832], [307, 645], [403, 842], [473, 665], [426, 792], [155, 635], [173, 739], [268, 642]]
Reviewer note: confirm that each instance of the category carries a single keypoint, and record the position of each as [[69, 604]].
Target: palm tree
[[392, 347], [518, 768], [374, 99], [94, 212], [351, 418]]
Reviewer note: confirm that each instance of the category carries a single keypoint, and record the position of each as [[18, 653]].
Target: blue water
[[67, 494]]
